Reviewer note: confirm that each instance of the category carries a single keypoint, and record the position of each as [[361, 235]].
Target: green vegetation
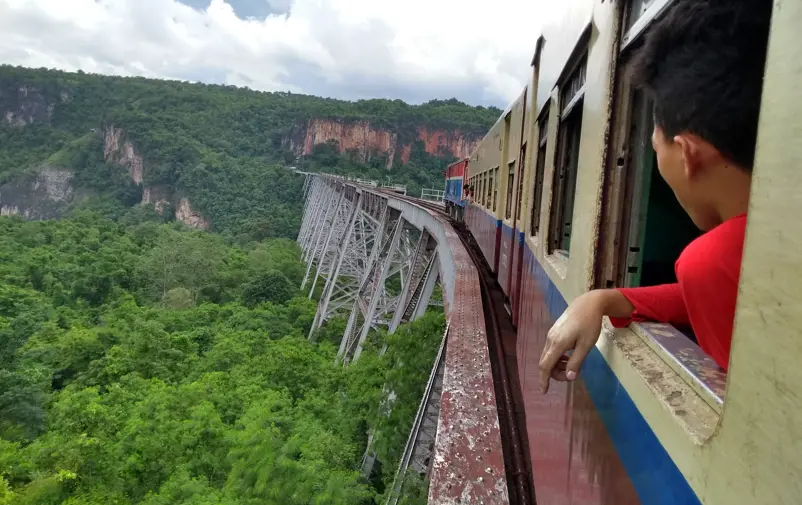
[[143, 362], [152, 364], [222, 147]]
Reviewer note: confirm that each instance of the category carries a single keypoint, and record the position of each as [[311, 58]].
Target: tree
[[178, 298], [271, 286]]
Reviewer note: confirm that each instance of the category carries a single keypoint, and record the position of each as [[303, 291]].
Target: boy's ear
[[696, 152]]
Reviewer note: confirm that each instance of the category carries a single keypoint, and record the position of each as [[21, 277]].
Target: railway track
[[501, 339]]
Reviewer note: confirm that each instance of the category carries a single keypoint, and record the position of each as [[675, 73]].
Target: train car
[[653, 419], [495, 215], [456, 182]]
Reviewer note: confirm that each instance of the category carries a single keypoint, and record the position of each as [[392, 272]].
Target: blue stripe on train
[[656, 478]]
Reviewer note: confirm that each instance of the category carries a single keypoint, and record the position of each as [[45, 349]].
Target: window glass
[[540, 168], [565, 170], [510, 189]]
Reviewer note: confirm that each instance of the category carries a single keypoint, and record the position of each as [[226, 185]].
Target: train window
[[540, 169], [637, 16], [657, 227], [520, 191], [640, 212], [510, 189], [637, 8], [495, 189], [565, 170], [489, 189]]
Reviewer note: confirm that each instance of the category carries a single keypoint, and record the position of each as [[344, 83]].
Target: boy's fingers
[[548, 360], [576, 359]]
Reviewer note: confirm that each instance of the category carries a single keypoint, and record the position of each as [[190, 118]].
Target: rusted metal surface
[[468, 464], [502, 345], [502, 342]]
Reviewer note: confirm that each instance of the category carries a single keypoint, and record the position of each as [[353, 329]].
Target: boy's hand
[[578, 329]]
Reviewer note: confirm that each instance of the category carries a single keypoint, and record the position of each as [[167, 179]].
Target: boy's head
[[702, 65]]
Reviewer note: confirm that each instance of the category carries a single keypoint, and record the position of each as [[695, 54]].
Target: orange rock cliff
[[368, 141]]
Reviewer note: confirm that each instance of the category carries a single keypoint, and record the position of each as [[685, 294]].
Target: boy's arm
[[579, 327], [664, 304]]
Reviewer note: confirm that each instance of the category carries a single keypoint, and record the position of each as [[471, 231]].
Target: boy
[[702, 65]]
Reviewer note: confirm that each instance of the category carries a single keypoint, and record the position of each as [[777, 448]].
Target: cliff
[[42, 194], [46, 191], [367, 141], [118, 149], [24, 105], [210, 154]]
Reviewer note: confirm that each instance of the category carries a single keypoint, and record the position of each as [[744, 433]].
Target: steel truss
[[376, 268], [379, 271], [419, 449]]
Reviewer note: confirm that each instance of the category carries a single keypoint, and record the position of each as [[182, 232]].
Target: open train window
[[540, 170], [520, 191], [565, 171], [655, 227], [495, 189], [489, 188], [510, 189]]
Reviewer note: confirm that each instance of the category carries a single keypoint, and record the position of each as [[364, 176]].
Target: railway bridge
[[355, 237]]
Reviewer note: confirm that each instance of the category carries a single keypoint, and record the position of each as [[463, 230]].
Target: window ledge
[[673, 391], [686, 359], [559, 262]]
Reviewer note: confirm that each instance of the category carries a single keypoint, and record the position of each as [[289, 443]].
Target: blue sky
[[248, 8], [414, 50]]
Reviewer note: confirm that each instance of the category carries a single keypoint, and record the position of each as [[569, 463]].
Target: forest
[[223, 147], [146, 362], [154, 364]]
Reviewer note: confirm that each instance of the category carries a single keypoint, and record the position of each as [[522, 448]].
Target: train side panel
[[590, 442], [485, 166], [485, 229], [512, 171], [455, 182]]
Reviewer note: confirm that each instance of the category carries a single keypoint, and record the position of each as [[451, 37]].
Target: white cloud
[[411, 49]]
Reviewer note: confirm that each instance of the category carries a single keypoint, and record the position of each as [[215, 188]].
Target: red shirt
[[708, 271]]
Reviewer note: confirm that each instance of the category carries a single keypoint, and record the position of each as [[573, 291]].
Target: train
[[457, 190], [652, 419]]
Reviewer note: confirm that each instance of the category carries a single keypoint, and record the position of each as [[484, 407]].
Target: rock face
[[368, 141], [159, 197], [117, 149], [184, 212], [44, 194], [26, 105]]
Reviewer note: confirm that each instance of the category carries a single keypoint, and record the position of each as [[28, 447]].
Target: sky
[[415, 50]]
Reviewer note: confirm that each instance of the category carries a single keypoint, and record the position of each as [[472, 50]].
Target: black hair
[[702, 65]]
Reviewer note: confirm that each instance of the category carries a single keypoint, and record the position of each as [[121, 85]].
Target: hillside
[[210, 156], [153, 365]]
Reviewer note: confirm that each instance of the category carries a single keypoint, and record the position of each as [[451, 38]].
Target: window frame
[[519, 192], [618, 206], [510, 190], [540, 172], [494, 196], [566, 166]]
